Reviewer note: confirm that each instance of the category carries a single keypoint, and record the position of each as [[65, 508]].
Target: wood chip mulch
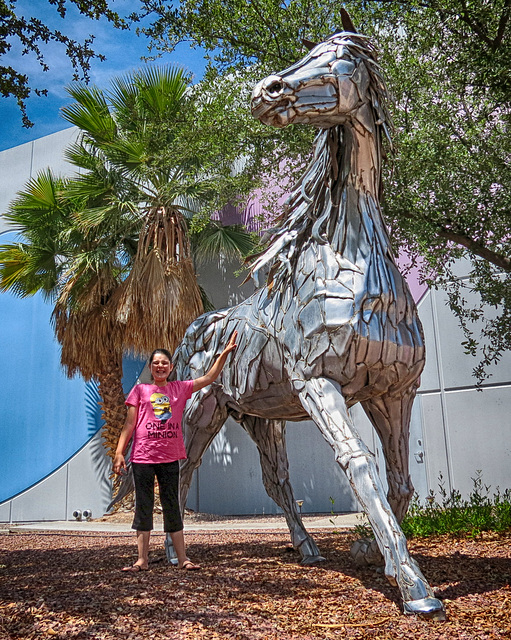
[[68, 585]]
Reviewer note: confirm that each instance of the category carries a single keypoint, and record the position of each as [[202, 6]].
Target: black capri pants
[[167, 474]]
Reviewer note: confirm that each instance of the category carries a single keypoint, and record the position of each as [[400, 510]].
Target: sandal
[[188, 565], [136, 568]]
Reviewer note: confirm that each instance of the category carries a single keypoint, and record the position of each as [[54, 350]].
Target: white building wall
[[21, 163], [455, 430], [82, 483], [465, 430]]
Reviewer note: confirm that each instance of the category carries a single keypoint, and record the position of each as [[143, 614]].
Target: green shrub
[[450, 513]]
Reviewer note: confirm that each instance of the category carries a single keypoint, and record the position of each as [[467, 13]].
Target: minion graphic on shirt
[[161, 406]]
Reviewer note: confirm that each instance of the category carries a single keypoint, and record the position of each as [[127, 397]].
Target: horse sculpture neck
[[336, 202]]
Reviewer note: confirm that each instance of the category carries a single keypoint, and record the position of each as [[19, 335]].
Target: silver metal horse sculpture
[[334, 324]]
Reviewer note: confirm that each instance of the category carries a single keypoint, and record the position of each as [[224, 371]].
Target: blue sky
[[123, 51]]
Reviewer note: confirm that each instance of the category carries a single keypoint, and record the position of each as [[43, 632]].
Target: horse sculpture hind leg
[[269, 436], [323, 400], [390, 416]]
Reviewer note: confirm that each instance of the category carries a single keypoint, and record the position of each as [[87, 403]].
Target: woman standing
[[154, 419]]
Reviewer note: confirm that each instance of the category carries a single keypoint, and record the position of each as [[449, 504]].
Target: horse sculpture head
[[337, 87], [337, 80]]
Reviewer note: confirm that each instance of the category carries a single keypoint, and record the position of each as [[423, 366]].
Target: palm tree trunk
[[112, 404]]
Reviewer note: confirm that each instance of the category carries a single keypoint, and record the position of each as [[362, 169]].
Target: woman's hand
[[231, 345], [214, 372], [119, 465]]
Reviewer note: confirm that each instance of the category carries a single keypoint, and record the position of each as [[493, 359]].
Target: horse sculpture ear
[[308, 44], [347, 24]]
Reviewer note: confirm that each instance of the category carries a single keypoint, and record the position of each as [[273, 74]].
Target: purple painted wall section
[[249, 216], [255, 214], [412, 273]]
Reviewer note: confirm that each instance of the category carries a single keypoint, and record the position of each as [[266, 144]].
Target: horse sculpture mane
[[336, 324]]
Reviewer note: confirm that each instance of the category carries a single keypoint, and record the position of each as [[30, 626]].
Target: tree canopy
[[31, 35], [448, 185]]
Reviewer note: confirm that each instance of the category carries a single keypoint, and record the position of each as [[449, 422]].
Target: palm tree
[[80, 273], [126, 150], [121, 272], [137, 161]]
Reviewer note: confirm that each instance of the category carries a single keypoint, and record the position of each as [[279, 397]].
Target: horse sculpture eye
[[275, 88]]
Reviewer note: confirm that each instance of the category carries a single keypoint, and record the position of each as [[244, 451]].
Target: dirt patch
[[251, 586]]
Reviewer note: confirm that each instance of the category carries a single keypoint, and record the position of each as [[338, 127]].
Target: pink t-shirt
[[158, 435]]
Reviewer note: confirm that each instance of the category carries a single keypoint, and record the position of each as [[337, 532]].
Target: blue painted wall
[[45, 418]]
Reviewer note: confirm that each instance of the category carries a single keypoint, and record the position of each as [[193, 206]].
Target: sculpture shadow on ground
[[248, 580]]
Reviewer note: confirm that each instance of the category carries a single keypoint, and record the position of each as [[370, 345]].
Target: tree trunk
[[112, 404]]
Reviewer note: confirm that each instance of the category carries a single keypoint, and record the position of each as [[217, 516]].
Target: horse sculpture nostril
[[274, 88]]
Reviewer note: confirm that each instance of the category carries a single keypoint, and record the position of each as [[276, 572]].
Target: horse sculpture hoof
[[306, 560], [430, 608], [365, 552], [309, 552]]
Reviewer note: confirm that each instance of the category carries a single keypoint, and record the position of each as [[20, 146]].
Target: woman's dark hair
[[165, 353]]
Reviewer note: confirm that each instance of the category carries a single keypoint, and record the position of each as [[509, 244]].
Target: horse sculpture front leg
[[323, 401], [269, 436]]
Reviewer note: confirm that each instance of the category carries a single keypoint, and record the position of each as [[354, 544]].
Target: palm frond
[[162, 285], [38, 203], [150, 96], [130, 153], [231, 241], [123, 97], [91, 114], [161, 90], [158, 303], [89, 340], [206, 300], [84, 157], [25, 270]]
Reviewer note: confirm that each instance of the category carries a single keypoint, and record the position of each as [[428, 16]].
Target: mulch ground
[[56, 585]]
